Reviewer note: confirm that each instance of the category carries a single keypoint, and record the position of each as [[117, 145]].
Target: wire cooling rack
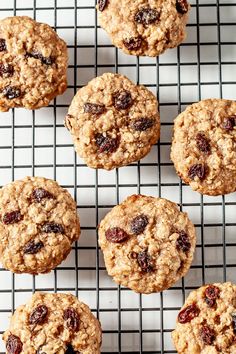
[[36, 143]]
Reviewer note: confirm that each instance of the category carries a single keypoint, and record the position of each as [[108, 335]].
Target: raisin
[[37, 55], [3, 46], [102, 4], [203, 144], [33, 247], [94, 108], [38, 315], [116, 235], [207, 335], [53, 227], [143, 124], [106, 143], [182, 242], [211, 294], [12, 217], [40, 351], [122, 99], [39, 194], [72, 319], [229, 123], [210, 302], [48, 60], [11, 92], [145, 261], [138, 224], [234, 322], [188, 313], [133, 43], [182, 6], [70, 350], [14, 344], [146, 16], [197, 170], [6, 70]]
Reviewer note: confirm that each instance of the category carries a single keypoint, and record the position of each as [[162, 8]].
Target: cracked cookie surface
[[53, 323], [38, 224], [113, 122], [206, 323], [144, 27], [33, 63], [148, 244], [204, 146]]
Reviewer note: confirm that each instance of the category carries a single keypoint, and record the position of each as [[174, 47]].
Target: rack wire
[[36, 143]]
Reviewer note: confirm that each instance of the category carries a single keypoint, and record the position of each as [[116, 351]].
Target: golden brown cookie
[[148, 244], [113, 122], [206, 323], [33, 63], [53, 323], [38, 224], [204, 146], [144, 27]]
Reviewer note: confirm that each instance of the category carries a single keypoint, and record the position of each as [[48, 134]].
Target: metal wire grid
[[150, 318]]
